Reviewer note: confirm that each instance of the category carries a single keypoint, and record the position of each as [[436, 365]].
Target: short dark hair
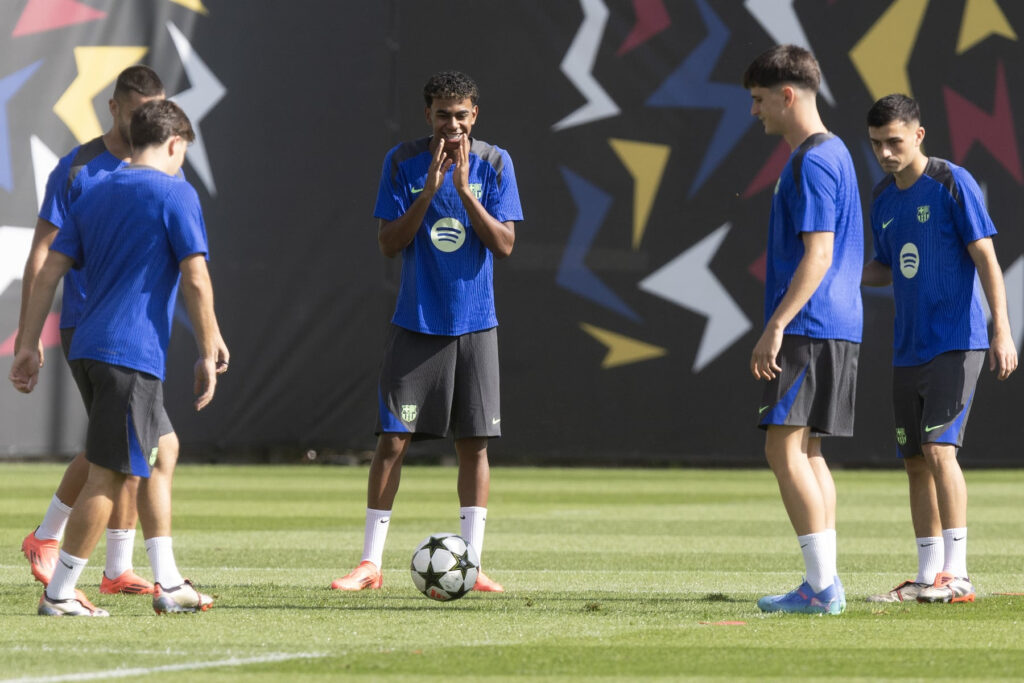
[[783, 64], [895, 107], [139, 79], [450, 85], [156, 121]]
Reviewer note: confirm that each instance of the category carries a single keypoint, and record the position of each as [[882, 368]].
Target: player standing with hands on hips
[[813, 315], [448, 203], [933, 235]]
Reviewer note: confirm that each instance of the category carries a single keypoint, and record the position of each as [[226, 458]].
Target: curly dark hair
[[783, 64], [895, 107], [450, 85]]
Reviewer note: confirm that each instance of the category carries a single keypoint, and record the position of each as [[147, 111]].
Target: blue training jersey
[[447, 273], [75, 173], [129, 234], [922, 234], [817, 191]]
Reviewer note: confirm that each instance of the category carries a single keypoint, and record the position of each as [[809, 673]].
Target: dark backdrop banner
[[634, 295]]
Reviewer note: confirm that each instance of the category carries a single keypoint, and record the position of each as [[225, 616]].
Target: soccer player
[[448, 203], [813, 316], [933, 236], [75, 174], [135, 235]]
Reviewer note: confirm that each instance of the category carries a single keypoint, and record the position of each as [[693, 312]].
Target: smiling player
[[448, 204]]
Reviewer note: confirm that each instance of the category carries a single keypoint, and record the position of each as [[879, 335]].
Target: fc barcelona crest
[[901, 436], [409, 412], [924, 213]]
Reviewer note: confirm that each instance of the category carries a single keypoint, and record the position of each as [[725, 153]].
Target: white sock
[[120, 543], [930, 557], [955, 555], [375, 534], [65, 576], [56, 518], [821, 573], [472, 521], [161, 559]]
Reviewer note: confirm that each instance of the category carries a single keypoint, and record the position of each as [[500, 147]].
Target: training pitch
[[613, 573]]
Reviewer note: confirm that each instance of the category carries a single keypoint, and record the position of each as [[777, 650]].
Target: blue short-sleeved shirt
[[922, 234], [447, 273], [817, 191], [129, 234], [75, 173]]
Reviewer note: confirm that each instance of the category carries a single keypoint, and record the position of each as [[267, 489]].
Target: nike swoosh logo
[[886, 223], [932, 429], [495, 420], [958, 539], [66, 564], [925, 545], [415, 190], [462, 516], [763, 408], [385, 520]]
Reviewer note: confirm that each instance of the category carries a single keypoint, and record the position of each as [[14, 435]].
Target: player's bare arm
[[876, 274], [27, 358], [42, 238], [197, 290], [497, 236], [394, 236], [815, 263], [1002, 352]]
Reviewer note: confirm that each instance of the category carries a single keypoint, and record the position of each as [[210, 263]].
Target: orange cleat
[[366, 575], [129, 583], [486, 584], [41, 555]]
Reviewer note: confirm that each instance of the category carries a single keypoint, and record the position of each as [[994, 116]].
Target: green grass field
[[616, 574]]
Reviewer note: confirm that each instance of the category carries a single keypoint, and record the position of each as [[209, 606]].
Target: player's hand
[[223, 356], [205, 385], [25, 371], [764, 359], [440, 162], [1002, 355], [461, 175]]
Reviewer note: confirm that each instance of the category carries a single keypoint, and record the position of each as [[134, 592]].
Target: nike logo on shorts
[[932, 429]]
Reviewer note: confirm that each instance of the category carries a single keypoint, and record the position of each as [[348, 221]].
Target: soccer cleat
[[486, 584], [906, 591], [947, 588], [183, 598], [803, 600], [77, 606], [366, 575], [41, 555], [129, 583]]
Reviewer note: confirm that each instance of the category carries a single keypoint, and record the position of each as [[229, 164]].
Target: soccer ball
[[444, 567]]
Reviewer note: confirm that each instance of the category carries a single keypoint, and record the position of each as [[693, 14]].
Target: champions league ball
[[444, 567]]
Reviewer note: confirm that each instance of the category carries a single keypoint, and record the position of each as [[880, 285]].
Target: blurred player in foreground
[[448, 203], [135, 236]]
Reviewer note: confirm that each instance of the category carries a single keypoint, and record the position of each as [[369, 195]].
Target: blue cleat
[[803, 600]]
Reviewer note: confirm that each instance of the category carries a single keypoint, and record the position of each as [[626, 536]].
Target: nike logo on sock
[[804, 545], [959, 539], [385, 520], [462, 516], [66, 564], [925, 545]]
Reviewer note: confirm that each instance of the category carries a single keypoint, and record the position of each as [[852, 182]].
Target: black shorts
[[931, 402], [66, 335], [125, 408], [431, 384], [816, 388]]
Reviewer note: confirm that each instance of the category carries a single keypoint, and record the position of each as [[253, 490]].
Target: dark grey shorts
[[125, 408], [431, 385], [931, 402], [816, 388]]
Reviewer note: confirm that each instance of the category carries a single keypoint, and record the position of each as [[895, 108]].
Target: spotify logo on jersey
[[448, 235], [909, 260]]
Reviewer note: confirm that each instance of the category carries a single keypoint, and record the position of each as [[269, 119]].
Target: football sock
[[472, 521], [161, 559], [930, 557], [56, 518], [955, 556], [375, 534], [815, 550], [120, 543], [65, 577]]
